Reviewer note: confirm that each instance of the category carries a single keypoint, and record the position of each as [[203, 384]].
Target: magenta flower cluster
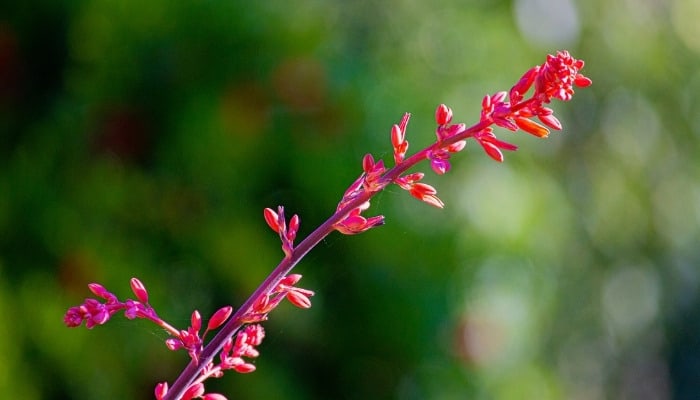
[[240, 332]]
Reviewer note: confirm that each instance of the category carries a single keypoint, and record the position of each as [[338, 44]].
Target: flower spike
[[240, 335]]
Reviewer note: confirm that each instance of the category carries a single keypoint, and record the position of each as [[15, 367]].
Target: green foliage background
[[144, 138]]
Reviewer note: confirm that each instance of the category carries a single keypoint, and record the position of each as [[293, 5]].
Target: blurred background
[[144, 138]]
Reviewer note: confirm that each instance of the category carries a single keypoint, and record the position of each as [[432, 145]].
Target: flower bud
[[443, 115], [219, 317], [139, 290]]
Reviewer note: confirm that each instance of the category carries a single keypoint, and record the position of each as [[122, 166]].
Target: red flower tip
[[440, 166], [214, 396], [551, 121], [194, 391], [492, 146], [100, 291], [244, 368], [397, 136], [160, 390], [219, 317], [523, 85], [291, 279], [173, 344], [293, 228], [271, 219], [372, 173], [367, 163], [557, 76], [426, 193], [73, 317], [354, 224], [196, 321], [582, 81], [531, 127], [404, 122], [492, 151], [139, 290], [299, 299], [443, 115]]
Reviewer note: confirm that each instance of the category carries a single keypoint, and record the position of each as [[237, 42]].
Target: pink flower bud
[[440, 166], [193, 391], [367, 163], [397, 136], [244, 368], [404, 122], [293, 228], [291, 279], [214, 396], [219, 317], [161, 390], [524, 84], [426, 193], [99, 290], [173, 344], [443, 115], [298, 299], [582, 81], [532, 127], [271, 219], [550, 120], [499, 97], [196, 321], [486, 102], [139, 290], [261, 304], [492, 151]]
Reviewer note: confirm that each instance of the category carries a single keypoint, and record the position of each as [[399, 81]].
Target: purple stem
[[193, 369]]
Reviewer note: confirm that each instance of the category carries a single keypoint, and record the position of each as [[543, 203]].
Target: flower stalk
[[239, 332]]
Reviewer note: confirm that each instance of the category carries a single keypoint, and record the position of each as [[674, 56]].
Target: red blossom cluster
[[554, 79], [93, 312], [276, 221], [269, 301], [237, 340], [231, 358]]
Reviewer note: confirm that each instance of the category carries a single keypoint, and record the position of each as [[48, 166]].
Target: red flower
[[557, 77], [139, 290], [398, 138], [373, 173], [421, 191], [443, 115], [355, 223], [492, 146], [276, 222], [219, 317], [531, 127]]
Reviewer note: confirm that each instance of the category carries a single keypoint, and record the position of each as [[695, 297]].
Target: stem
[[194, 368]]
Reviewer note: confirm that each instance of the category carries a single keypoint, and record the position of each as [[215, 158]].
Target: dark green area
[[144, 138]]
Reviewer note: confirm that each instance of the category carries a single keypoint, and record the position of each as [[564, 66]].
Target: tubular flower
[[419, 190], [398, 139], [276, 222], [373, 173], [492, 146], [243, 346], [557, 77], [355, 223]]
